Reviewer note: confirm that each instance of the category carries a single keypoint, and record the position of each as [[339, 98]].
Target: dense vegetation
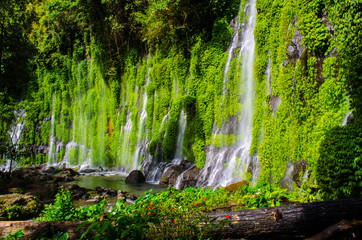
[[154, 215], [85, 70]]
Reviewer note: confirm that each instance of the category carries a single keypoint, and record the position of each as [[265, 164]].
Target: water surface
[[115, 181]]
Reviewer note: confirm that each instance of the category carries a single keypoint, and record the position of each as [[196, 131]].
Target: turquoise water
[[115, 181]]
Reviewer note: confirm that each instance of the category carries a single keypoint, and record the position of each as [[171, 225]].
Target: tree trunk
[[33, 229], [284, 222], [291, 221], [342, 229]]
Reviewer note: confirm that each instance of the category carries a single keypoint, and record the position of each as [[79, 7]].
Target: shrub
[[339, 167]]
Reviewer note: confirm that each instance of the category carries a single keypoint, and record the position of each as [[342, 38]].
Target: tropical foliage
[[88, 72]]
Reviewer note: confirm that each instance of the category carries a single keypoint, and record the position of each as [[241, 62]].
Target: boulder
[[51, 170], [18, 206], [121, 195], [106, 192], [131, 197], [189, 178], [136, 176], [169, 177], [89, 170], [299, 168], [235, 186], [77, 192], [69, 172]]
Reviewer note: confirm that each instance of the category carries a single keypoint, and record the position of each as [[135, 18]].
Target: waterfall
[[235, 43], [141, 149], [124, 153], [347, 118], [228, 164], [15, 135], [52, 141], [180, 135], [16, 129]]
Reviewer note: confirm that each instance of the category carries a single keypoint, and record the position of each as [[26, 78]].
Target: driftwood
[[291, 221], [283, 222]]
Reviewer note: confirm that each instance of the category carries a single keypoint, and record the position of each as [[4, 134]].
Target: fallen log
[[34, 229], [296, 221], [342, 230], [291, 221]]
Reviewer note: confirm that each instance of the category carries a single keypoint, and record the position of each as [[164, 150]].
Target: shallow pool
[[115, 181]]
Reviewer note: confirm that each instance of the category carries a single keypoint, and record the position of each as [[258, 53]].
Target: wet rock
[[97, 198], [51, 170], [106, 192], [77, 192], [62, 178], [177, 167], [45, 177], [299, 167], [18, 206], [89, 170], [131, 197], [121, 195], [236, 186], [189, 178], [136, 176], [292, 51], [69, 172], [169, 177], [350, 119], [66, 175]]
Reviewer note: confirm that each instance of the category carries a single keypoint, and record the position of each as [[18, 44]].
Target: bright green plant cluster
[[63, 209], [13, 236], [260, 196]]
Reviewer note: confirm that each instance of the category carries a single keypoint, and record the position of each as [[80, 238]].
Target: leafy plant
[[123, 222], [13, 236], [339, 166], [260, 196], [63, 209]]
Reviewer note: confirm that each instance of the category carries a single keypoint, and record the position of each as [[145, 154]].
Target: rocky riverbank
[[25, 191]]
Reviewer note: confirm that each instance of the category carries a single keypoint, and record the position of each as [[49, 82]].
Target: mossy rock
[[236, 186], [18, 206]]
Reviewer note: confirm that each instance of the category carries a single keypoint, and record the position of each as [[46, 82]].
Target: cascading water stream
[[235, 43], [228, 164], [141, 136], [124, 152], [15, 135], [51, 152], [180, 135]]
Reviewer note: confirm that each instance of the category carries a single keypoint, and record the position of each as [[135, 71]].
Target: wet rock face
[[169, 177], [19, 206], [183, 169], [136, 176], [299, 167], [78, 192], [189, 178], [106, 192]]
